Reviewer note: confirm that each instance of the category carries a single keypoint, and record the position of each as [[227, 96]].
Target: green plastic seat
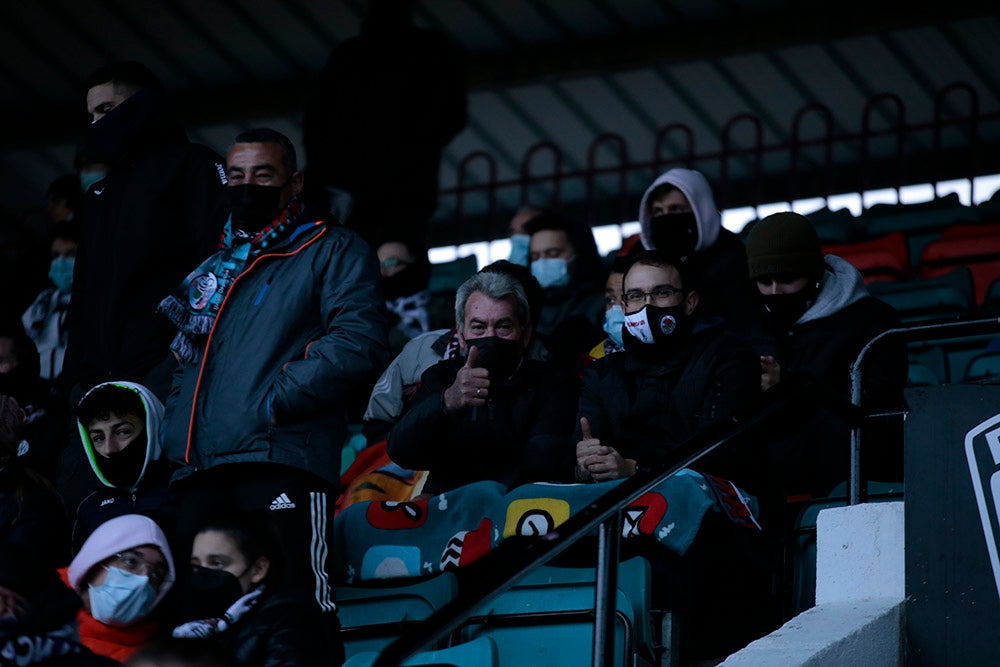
[[949, 295], [372, 616], [481, 652], [547, 617], [983, 366]]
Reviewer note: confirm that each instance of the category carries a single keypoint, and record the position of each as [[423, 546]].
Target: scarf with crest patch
[[195, 305]]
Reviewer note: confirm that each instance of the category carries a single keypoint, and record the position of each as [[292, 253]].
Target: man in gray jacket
[[276, 330]]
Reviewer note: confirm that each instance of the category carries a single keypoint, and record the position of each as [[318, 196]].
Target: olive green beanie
[[784, 243]]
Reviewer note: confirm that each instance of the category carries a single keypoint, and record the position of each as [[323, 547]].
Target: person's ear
[[462, 344], [259, 570], [691, 302], [526, 339], [297, 181]]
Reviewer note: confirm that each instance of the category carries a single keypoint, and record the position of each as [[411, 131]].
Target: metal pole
[[605, 592]]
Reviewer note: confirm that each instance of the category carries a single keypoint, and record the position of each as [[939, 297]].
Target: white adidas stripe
[[319, 551]]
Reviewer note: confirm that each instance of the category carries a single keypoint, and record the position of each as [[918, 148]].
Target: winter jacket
[[519, 436], [282, 632], [157, 214], [299, 329], [645, 404], [718, 266], [811, 454]]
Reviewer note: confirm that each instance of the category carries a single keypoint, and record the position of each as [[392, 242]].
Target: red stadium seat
[[976, 247], [882, 258]]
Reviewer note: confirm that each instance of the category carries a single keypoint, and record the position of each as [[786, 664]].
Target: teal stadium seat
[[919, 375], [921, 223], [481, 652], [947, 296], [447, 277], [983, 366], [372, 616], [546, 618]]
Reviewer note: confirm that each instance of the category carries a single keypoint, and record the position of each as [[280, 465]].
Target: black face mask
[[675, 234], [254, 206], [500, 356], [209, 593], [124, 467], [409, 281], [784, 310]]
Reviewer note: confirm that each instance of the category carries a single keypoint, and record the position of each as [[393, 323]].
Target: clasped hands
[[599, 463]]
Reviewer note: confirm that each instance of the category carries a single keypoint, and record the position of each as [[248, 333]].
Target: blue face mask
[[520, 249], [551, 272], [122, 599], [88, 178], [61, 273], [613, 321]]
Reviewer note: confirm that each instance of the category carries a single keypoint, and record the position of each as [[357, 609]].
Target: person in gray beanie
[[816, 315]]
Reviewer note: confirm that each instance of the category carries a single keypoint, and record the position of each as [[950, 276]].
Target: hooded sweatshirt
[[811, 452], [718, 265], [695, 187], [148, 494]]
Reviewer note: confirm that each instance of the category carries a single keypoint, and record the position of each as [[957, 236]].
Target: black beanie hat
[[784, 243]]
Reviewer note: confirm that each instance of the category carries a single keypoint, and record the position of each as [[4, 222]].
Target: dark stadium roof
[[566, 72]]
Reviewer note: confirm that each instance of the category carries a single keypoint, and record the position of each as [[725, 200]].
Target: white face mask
[[122, 599], [552, 272], [520, 249]]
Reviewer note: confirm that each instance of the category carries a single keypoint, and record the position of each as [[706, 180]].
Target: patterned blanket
[[397, 539]]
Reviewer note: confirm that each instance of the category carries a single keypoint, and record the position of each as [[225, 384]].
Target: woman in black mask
[[233, 597], [816, 315]]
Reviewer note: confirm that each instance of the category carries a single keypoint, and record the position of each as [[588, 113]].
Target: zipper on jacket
[[222, 306]]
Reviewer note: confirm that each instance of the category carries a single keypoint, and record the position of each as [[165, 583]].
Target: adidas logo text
[[282, 502]]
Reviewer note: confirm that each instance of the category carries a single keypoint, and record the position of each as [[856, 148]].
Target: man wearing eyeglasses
[[678, 374]]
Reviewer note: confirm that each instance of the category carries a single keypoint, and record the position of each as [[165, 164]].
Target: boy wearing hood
[[816, 317], [119, 424], [679, 218]]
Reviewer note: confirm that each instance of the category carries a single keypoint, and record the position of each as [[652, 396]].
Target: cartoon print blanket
[[390, 539]]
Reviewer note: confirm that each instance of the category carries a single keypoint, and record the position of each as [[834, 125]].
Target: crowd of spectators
[[174, 404]]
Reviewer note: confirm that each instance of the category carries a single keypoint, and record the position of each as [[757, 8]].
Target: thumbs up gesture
[[471, 386]]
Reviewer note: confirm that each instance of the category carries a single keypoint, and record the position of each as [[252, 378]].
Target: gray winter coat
[[298, 331]]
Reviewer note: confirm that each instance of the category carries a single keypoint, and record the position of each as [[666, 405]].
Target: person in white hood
[[119, 424], [678, 217]]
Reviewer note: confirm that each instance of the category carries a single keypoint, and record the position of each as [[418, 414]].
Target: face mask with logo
[[520, 249], [675, 234], [122, 599], [254, 206], [210, 593], [500, 356], [656, 325], [61, 273], [613, 321], [550, 272]]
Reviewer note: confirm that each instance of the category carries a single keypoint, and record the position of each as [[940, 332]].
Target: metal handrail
[[910, 334], [499, 569]]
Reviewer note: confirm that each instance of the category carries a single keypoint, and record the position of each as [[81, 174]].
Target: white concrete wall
[[860, 587]]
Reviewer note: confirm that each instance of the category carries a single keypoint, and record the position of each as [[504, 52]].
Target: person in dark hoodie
[[119, 424], [817, 315], [565, 261], [158, 211], [678, 216]]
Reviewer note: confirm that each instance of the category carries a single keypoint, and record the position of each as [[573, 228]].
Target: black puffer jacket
[[645, 405], [284, 632], [155, 216], [520, 436], [32, 518], [811, 454], [300, 329]]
